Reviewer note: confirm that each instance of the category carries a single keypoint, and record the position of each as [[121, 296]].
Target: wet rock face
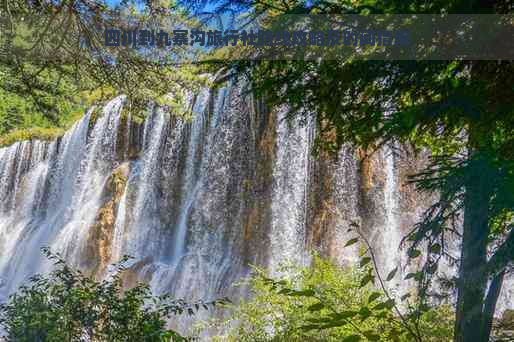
[[197, 202], [507, 320], [98, 245], [503, 328]]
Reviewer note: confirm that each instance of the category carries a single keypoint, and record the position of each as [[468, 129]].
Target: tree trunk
[[472, 283], [490, 304]]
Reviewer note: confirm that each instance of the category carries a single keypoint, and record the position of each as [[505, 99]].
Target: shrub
[[324, 302], [68, 306], [38, 133]]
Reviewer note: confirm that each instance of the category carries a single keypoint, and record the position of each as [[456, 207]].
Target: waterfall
[[290, 180], [192, 182], [194, 201], [392, 235], [145, 218]]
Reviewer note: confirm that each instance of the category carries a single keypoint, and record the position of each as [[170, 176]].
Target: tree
[[68, 306], [53, 110], [461, 111], [45, 44]]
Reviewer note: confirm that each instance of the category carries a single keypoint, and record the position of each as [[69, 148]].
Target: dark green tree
[[46, 46], [461, 111]]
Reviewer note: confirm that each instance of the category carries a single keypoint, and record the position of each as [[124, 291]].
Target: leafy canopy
[[52, 54]]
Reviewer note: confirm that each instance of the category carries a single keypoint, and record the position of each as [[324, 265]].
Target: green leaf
[[414, 253], [391, 274], [351, 242], [305, 293], [316, 320], [365, 313], [374, 296], [370, 335], [309, 327], [316, 307], [435, 248], [352, 338], [366, 280], [380, 306], [284, 291], [365, 261], [344, 314], [334, 324], [410, 276], [388, 304]]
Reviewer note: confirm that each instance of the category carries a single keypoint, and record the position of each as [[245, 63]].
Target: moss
[[135, 116], [97, 96], [93, 118], [127, 139], [38, 133]]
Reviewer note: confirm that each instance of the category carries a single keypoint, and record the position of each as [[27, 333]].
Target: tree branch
[[503, 255]]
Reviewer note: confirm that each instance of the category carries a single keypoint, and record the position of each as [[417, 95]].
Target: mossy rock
[[118, 180], [36, 133], [507, 320], [98, 247], [93, 117], [127, 142], [135, 116]]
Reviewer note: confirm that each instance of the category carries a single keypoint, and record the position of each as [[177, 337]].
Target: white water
[[392, 234], [288, 204]]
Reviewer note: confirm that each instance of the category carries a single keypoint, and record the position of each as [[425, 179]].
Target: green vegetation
[[67, 306], [53, 62], [42, 115], [460, 111], [324, 302], [29, 134]]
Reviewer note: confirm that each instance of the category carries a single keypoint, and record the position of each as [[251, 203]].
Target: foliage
[[55, 109], [324, 302], [67, 306], [53, 61], [460, 111], [29, 134]]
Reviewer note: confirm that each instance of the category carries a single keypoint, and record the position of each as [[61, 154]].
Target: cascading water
[[290, 177], [392, 235], [194, 202]]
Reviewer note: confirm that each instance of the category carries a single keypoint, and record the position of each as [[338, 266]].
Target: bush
[[69, 306], [324, 303], [38, 133]]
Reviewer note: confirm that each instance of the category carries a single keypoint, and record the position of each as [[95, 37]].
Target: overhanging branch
[[503, 255]]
